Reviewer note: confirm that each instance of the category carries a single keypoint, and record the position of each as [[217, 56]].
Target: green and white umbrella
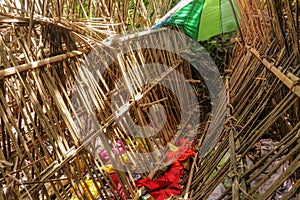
[[202, 19]]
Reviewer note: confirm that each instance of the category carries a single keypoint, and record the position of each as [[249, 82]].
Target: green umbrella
[[202, 19]]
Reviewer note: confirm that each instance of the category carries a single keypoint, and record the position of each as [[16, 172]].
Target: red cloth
[[165, 186], [168, 184], [185, 155], [119, 188]]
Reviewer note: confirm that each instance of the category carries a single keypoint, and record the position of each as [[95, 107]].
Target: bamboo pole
[[36, 64]]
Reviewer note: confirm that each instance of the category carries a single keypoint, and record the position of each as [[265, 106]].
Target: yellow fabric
[[91, 187], [172, 147], [108, 168]]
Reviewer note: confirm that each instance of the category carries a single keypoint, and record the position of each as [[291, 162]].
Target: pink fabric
[[117, 151]]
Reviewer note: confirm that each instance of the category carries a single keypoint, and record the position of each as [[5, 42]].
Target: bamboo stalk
[[36, 64], [293, 86]]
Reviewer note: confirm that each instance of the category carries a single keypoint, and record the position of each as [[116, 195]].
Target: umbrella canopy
[[201, 19]]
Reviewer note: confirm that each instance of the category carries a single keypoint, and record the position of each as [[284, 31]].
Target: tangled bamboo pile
[[43, 45], [258, 154], [42, 155]]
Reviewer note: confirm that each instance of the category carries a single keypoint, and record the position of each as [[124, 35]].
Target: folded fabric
[[165, 186], [168, 184]]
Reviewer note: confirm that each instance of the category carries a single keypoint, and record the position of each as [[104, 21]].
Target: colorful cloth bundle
[[168, 185]]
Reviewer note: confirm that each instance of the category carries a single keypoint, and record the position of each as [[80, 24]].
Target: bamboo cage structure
[[43, 154], [258, 153], [43, 47]]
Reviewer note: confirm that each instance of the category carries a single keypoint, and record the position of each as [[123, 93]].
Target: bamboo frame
[[41, 49], [263, 92]]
